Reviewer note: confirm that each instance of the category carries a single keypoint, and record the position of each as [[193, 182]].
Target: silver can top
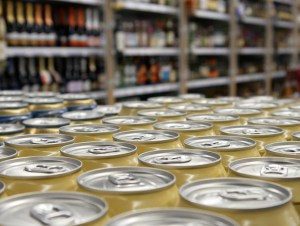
[[257, 105], [238, 111], [75, 96], [108, 110], [262, 98], [161, 113], [285, 149], [274, 121], [166, 99], [129, 120], [191, 96], [183, 126], [142, 104], [126, 180], [98, 150], [89, 129], [41, 94], [44, 100], [82, 115], [52, 208], [235, 194], [7, 153], [4, 99], [6, 129], [11, 93], [189, 107], [212, 117], [252, 131], [212, 102], [295, 107], [287, 113], [45, 122], [12, 105], [231, 98], [296, 135]]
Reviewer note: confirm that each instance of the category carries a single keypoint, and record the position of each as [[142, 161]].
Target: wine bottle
[[50, 37], [12, 35]]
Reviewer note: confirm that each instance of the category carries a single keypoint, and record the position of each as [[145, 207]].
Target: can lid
[[52, 208], [287, 113], [180, 158], [189, 107], [238, 111], [11, 93], [296, 135], [13, 105], [274, 121], [170, 216], [41, 94], [82, 115], [75, 96], [11, 99], [11, 129], [235, 194], [213, 117], [108, 109], [146, 136], [126, 180], [129, 120], [98, 150], [2, 187], [40, 101], [291, 148], [161, 113], [295, 107], [39, 140], [286, 101], [220, 143], [7, 153], [89, 129], [166, 99], [267, 168], [142, 104], [212, 102], [45, 122], [262, 98], [183, 126], [252, 131], [257, 105], [191, 96], [231, 98], [39, 167]]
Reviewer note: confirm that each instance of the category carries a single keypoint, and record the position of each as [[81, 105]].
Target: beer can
[[2, 190], [265, 107], [284, 171], [232, 99], [243, 113], [90, 132], [54, 208], [191, 96], [46, 173], [213, 103], [13, 112], [218, 120], [10, 130], [186, 129], [38, 144], [263, 135], [108, 110], [164, 115], [95, 155], [11, 99], [131, 188], [249, 202], [286, 102], [7, 153], [171, 216], [46, 107], [44, 125], [192, 108], [78, 101], [43, 94], [148, 140], [290, 125], [131, 122], [289, 149], [168, 100], [186, 164], [296, 136], [83, 117], [295, 107], [13, 93], [229, 147], [287, 113], [132, 108], [262, 98]]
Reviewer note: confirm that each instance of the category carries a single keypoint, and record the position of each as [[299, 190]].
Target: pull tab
[[103, 150], [128, 121], [216, 144], [274, 170], [291, 150], [271, 121], [52, 214], [143, 137], [246, 194], [44, 141], [179, 126], [253, 131], [86, 129], [39, 168], [123, 179], [172, 159]]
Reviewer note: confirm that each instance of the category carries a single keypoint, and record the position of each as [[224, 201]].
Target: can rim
[[95, 117], [219, 111], [19, 105], [234, 118], [280, 131], [2, 190], [159, 127], [21, 129], [156, 105], [29, 124], [13, 153], [62, 130], [250, 121], [54, 100], [268, 146], [108, 120], [144, 113], [205, 107]]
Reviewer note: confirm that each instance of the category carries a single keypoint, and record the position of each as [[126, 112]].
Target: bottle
[[170, 33], [2, 41], [81, 27], [93, 76], [22, 73], [31, 35], [39, 26], [21, 28], [154, 71], [12, 35], [50, 37], [84, 74], [11, 75], [56, 78], [62, 29], [96, 28], [120, 37], [72, 29], [89, 26], [33, 77], [45, 76]]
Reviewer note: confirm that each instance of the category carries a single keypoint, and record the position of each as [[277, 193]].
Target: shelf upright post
[[109, 51], [295, 54], [183, 47], [233, 48]]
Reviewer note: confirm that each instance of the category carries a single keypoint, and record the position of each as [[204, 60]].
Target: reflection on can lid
[[39, 140], [189, 107], [180, 158], [221, 143], [191, 96], [212, 117], [262, 98], [296, 135], [183, 125], [213, 102], [235, 194], [52, 208], [129, 120], [108, 109], [41, 94], [238, 111], [126, 180], [40, 101], [45, 122], [295, 107], [257, 105], [39, 167], [82, 115], [166, 99], [146, 136], [265, 167], [161, 113], [275, 121], [12, 105], [174, 217], [11, 93], [6, 129], [231, 98], [291, 148], [75, 96], [287, 113], [142, 104], [98, 150], [2, 187], [252, 131], [89, 129], [11, 98], [7, 153]]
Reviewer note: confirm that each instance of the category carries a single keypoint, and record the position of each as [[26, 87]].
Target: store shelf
[[83, 2], [279, 74], [211, 15], [53, 51], [250, 77], [289, 2], [210, 51], [146, 7], [98, 95], [150, 52], [254, 21], [252, 51], [284, 51], [283, 24], [208, 82]]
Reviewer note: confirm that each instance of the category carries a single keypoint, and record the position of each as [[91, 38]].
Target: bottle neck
[[29, 13], [38, 14], [10, 12], [48, 15], [20, 16]]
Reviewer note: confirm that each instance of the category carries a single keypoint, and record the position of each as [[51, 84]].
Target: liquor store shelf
[[253, 21], [252, 51], [284, 1], [279, 74], [283, 24], [284, 51], [83, 2], [250, 77], [150, 51], [53, 51], [211, 15], [210, 51], [209, 82]]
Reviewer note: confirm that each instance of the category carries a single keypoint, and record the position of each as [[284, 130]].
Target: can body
[[13, 112], [46, 107]]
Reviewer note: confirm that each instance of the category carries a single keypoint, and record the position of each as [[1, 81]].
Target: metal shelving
[[284, 1], [284, 51], [279, 74], [83, 2], [252, 51], [208, 82], [211, 15], [250, 77], [210, 51], [150, 51], [283, 24], [254, 21]]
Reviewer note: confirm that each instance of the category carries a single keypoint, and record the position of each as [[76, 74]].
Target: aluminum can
[[191, 96], [218, 120], [83, 117], [131, 188], [131, 122], [267, 108], [7, 153], [262, 98], [38, 144], [168, 100], [11, 99], [169, 216], [54, 208], [90, 132], [263, 135], [46, 173], [108, 110], [41, 94], [95, 155], [214, 103], [186, 129], [289, 149], [2, 190], [44, 125], [149, 140], [233, 99], [287, 113], [229, 147], [13, 112], [192, 108], [78, 101], [186, 164], [13, 93], [164, 115], [296, 136], [132, 108], [249, 202], [10, 130], [295, 107]]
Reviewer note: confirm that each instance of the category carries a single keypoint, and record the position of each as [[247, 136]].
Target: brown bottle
[[21, 28], [12, 35], [39, 26], [50, 37], [31, 35]]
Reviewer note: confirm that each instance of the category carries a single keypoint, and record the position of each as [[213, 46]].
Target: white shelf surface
[[279, 74], [252, 51], [253, 20], [207, 82], [150, 51], [250, 77], [285, 51], [210, 51], [211, 15], [283, 24], [83, 2]]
